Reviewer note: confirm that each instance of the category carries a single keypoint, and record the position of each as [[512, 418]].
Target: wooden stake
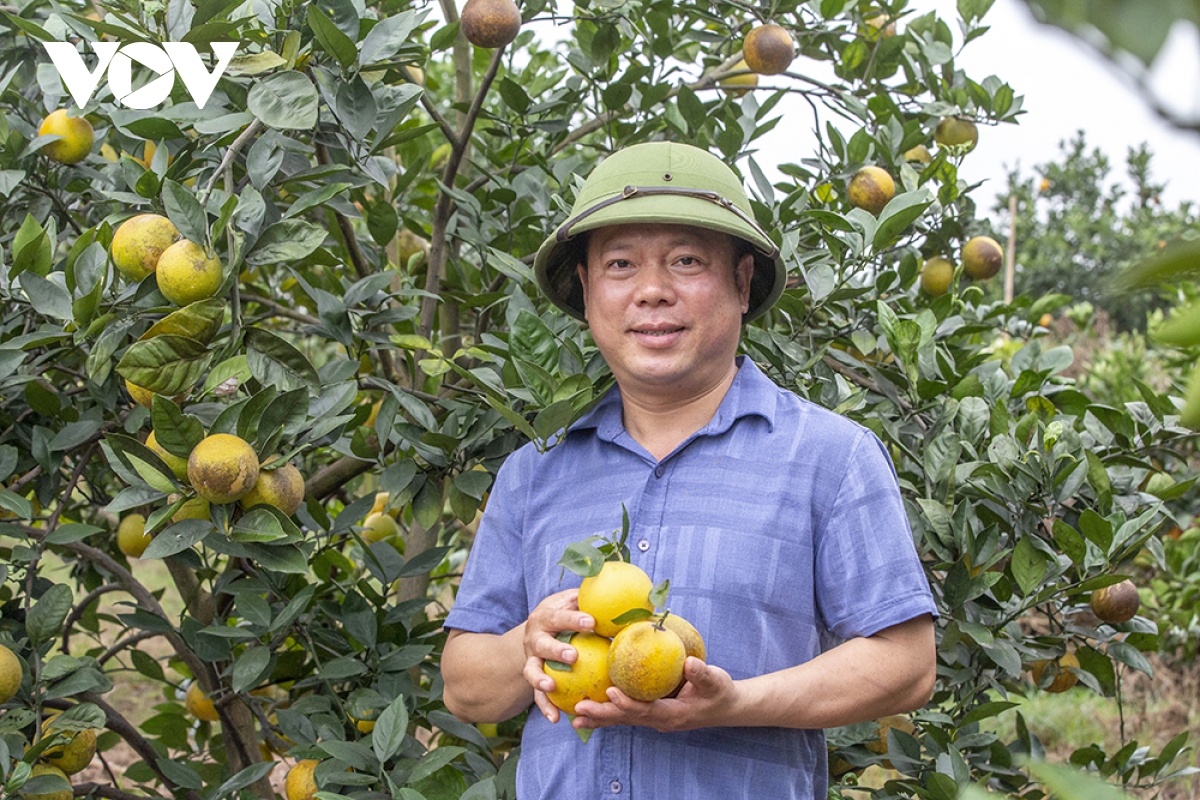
[[1010, 257]]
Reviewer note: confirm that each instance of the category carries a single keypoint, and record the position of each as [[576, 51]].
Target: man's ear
[[581, 271], [744, 274]]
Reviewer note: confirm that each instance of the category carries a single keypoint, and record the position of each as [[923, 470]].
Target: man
[[779, 523]]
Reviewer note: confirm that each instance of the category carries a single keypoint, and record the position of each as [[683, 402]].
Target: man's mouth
[[657, 331]]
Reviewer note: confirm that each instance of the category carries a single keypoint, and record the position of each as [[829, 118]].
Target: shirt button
[[643, 545], [615, 787], [659, 471]]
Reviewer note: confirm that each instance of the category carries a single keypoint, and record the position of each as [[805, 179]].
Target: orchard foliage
[[375, 188]]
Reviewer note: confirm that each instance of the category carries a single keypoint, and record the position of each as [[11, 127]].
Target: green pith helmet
[[658, 182]]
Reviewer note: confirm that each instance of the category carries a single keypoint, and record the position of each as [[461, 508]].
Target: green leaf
[[177, 538], [185, 212], [390, 730], [1097, 529], [331, 38], [274, 362], [200, 321], [165, 364], [583, 559], [1028, 566], [251, 667], [175, 432], [285, 241], [46, 296], [1070, 542], [45, 619], [30, 249], [285, 101], [631, 616], [900, 212]]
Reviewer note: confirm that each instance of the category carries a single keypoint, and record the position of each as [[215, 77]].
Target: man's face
[[665, 305]]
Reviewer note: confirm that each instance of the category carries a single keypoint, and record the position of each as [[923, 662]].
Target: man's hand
[[707, 699], [558, 612]]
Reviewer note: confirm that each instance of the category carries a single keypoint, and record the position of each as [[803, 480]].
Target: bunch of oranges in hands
[[632, 648]]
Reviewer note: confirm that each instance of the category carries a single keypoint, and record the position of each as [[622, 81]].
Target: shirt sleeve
[[492, 596], [868, 575]]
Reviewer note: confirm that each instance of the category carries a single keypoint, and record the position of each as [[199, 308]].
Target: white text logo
[[170, 58]]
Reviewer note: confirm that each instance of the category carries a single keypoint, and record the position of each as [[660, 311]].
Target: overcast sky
[[1067, 87]]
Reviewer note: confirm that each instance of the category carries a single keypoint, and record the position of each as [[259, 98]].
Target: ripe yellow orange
[[982, 258], [919, 154], [1060, 669], [880, 26], [693, 642], [139, 242], [200, 705], [300, 784], [587, 678], [379, 526], [768, 49], [78, 137], [1117, 603], [72, 754], [10, 674], [738, 85], [186, 273], [937, 275], [177, 464], [871, 189], [132, 539], [223, 468], [956, 132], [618, 588], [645, 660], [194, 508], [48, 769], [282, 487]]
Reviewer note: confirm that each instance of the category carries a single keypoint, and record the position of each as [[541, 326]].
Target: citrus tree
[[280, 339]]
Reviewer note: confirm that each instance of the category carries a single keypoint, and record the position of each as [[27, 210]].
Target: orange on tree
[[586, 679], [871, 189], [1117, 603], [192, 508], [223, 468], [139, 242], [48, 769], [77, 137], [282, 487], [199, 704], [936, 275], [490, 23], [177, 464], [956, 132], [73, 753], [378, 527], [186, 273], [10, 674], [919, 154], [132, 539], [982, 258], [300, 783], [768, 49], [619, 587], [738, 85], [1060, 670]]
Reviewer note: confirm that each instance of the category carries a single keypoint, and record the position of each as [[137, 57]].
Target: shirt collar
[[751, 394]]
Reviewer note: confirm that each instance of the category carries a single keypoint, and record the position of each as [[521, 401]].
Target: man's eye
[[689, 261], [619, 263]]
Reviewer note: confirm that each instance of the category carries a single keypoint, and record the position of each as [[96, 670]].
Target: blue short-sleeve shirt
[[781, 528]]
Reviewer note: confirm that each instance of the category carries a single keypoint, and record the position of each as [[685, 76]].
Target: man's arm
[[866, 678], [491, 677]]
